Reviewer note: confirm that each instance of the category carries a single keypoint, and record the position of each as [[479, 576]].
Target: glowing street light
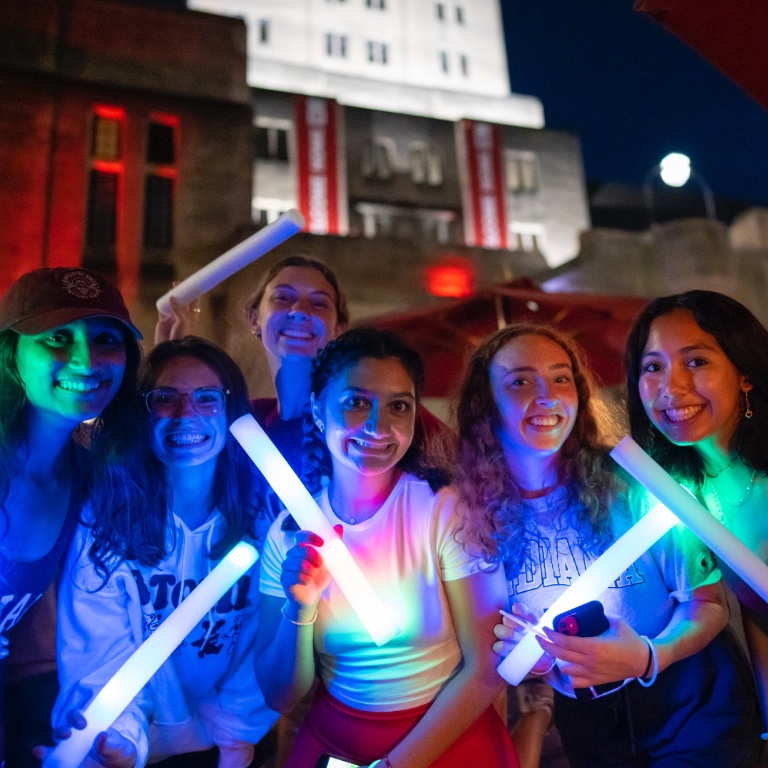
[[675, 170]]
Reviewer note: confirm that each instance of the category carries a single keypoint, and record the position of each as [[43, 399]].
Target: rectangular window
[[271, 143], [160, 144], [336, 45], [521, 170], [105, 141], [158, 212], [464, 62], [440, 11], [459, 15], [263, 31], [101, 230], [380, 4], [444, 61], [378, 52]]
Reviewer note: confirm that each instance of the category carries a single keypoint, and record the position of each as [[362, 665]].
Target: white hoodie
[[206, 693]]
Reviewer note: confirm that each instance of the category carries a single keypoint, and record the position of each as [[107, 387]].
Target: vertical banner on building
[[321, 165], [482, 183]]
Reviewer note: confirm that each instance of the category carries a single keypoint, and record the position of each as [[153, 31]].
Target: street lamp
[[675, 170]]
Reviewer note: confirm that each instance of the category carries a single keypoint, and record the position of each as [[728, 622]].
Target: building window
[[378, 53], [440, 11], [464, 64], [521, 172], [336, 45], [271, 143], [527, 237], [425, 166], [263, 31], [159, 185], [459, 15], [376, 162], [444, 61], [104, 184], [105, 142], [380, 4]]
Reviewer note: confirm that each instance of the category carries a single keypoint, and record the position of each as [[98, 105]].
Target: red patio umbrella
[[731, 34], [447, 334]]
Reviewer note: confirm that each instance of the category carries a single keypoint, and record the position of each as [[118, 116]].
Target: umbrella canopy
[[731, 35], [446, 335]]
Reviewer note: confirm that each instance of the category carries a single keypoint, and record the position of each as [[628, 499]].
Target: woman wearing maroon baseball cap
[[68, 354]]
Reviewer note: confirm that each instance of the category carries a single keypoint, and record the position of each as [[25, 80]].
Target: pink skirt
[[362, 737]]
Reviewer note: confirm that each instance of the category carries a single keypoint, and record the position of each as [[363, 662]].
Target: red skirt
[[362, 737]]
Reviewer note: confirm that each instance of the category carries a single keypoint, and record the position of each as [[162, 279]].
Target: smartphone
[[587, 620], [524, 624], [330, 761]]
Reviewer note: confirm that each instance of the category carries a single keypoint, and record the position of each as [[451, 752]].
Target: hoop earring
[[748, 413]]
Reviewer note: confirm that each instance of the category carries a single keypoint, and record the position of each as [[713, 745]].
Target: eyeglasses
[[165, 403]]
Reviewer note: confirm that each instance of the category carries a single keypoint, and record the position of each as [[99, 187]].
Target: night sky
[[633, 92]]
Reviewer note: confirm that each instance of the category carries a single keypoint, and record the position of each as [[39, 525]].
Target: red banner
[[483, 189], [320, 166]]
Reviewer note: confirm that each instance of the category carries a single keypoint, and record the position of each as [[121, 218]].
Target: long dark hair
[[116, 425], [495, 523], [340, 300], [744, 341], [133, 522], [422, 458]]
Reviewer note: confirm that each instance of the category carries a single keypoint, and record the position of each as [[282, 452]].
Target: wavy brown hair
[[495, 523]]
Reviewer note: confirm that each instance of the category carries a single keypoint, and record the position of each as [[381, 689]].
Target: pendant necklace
[[739, 503]]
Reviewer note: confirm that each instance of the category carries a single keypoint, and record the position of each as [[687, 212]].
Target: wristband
[[652, 663], [300, 623], [546, 671]]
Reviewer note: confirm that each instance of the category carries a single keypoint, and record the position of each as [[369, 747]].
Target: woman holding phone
[[423, 699], [697, 367], [542, 500]]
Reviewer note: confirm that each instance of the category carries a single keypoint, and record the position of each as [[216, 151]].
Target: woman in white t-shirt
[[424, 698]]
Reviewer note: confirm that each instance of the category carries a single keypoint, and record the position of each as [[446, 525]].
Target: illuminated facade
[[394, 118]]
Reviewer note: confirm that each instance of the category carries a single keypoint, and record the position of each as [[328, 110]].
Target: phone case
[[586, 620]]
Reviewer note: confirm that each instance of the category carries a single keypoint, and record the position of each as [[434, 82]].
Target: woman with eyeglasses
[[663, 685], [146, 549]]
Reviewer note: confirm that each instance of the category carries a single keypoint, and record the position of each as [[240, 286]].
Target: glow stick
[[710, 530], [123, 686], [298, 501], [590, 585], [233, 260]]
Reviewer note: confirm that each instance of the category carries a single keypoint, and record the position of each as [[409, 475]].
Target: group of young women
[[123, 481]]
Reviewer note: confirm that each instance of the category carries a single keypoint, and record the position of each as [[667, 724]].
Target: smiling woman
[[424, 698], [68, 354], [697, 367], [142, 554]]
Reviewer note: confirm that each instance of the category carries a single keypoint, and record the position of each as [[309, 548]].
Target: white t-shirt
[[407, 550]]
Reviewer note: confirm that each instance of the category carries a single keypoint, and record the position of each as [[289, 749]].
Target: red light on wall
[[109, 113], [453, 279], [108, 166], [165, 119]]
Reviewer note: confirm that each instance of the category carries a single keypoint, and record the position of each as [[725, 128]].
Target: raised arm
[[285, 659]]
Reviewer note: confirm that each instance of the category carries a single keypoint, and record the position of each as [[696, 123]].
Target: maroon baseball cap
[[49, 297]]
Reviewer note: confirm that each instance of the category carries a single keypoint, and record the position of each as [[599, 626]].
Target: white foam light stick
[[123, 686], [233, 260], [298, 501], [590, 585], [710, 530]]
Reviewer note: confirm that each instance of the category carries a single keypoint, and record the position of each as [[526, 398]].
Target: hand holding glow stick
[[710, 530], [233, 260], [123, 686], [298, 501], [590, 585]]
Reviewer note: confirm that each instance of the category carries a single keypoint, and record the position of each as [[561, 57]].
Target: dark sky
[[633, 92]]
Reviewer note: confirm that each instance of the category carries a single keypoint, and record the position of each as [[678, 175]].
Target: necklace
[[739, 503], [722, 469]]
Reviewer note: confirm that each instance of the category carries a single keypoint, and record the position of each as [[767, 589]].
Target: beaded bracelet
[[300, 623], [653, 662]]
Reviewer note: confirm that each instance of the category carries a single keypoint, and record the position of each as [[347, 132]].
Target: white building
[[325, 74]]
